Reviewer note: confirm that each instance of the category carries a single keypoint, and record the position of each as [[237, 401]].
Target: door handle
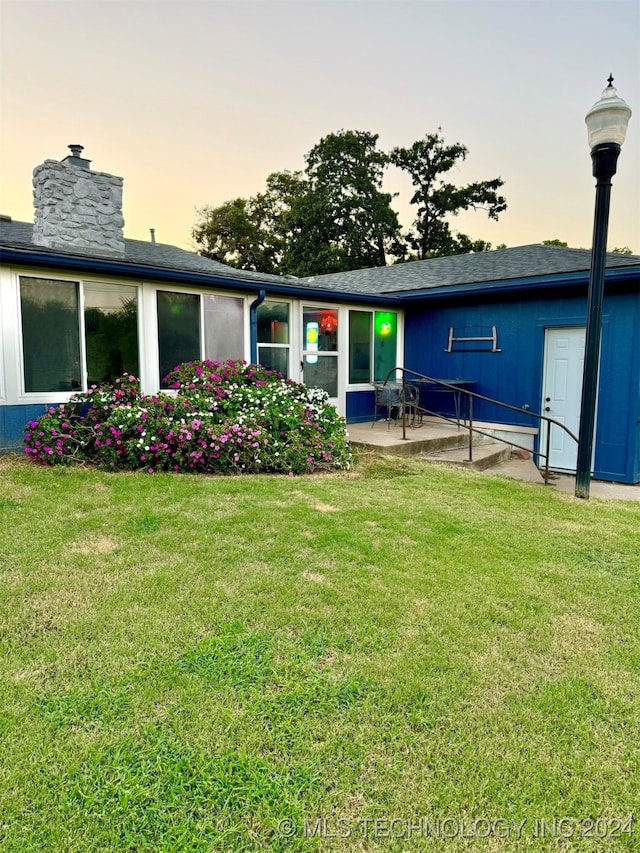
[[547, 399], [547, 408]]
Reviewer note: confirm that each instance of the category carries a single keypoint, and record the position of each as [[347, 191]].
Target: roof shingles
[[499, 265], [401, 279]]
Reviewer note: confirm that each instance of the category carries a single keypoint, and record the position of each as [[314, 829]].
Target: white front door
[[562, 393]]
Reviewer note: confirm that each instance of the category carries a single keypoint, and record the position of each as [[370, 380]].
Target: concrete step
[[441, 443], [423, 439], [485, 455]]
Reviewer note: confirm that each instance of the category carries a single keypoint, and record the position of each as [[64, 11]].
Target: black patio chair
[[389, 399]]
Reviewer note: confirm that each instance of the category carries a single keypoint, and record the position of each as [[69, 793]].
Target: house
[[80, 304], [528, 307]]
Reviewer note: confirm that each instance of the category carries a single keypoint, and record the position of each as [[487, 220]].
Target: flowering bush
[[223, 418]]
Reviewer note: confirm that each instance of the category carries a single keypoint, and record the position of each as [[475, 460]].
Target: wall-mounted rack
[[491, 340]]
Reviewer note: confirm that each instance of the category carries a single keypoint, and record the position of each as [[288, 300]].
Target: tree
[[252, 233], [554, 243], [344, 221], [231, 235], [334, 216], [622, 250], [425, 162]]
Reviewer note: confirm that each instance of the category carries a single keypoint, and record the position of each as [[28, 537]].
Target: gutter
[[253, 325], [515, 285], [109, 266]]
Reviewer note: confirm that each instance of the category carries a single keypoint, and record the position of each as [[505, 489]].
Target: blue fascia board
[[108, 266], [514, 285]]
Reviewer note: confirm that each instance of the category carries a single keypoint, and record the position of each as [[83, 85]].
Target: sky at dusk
[[195, 103]]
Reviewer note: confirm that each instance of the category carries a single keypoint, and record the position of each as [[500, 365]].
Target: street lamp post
[[606, 127]]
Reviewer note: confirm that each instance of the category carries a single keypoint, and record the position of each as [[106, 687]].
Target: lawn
[[395, 658]]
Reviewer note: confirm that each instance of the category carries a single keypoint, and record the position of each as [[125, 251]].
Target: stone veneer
[[76, 208]]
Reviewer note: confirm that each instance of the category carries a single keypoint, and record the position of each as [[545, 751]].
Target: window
[[223, 327], [178, 330], [56, 358], [50, 335], [385, 343], [360, 325], [79, 333], [111, 331], [320, 348], [273, 336], [181, 332], [373, 342]]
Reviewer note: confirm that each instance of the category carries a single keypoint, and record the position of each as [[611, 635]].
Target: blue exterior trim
[[514, 285]]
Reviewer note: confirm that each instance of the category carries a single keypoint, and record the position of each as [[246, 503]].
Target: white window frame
[[4, 338], [150, 382], [340, 400], [23, 396], [369, 386], [294, 372]]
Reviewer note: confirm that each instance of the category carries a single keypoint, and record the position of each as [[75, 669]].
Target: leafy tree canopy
[[426, 161], [345, 221], [334, 216], [554, 243], [252, 234]]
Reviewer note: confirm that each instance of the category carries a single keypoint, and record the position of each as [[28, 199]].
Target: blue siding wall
[[360, 406], [13, 420], [515, 374]]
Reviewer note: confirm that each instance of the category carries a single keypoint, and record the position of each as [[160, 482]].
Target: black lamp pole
[[607, 122], [605, 158]]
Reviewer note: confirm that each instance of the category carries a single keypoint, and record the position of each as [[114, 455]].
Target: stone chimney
[[76, 208]]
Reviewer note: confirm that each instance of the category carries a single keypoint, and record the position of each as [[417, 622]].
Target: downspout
[[253, 324]]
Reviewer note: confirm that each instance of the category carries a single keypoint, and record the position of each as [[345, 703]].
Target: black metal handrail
[[471, 395]]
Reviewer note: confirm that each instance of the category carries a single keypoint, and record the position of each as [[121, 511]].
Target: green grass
[[186, 661]]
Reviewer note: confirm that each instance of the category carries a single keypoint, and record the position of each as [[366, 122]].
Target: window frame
[[182, 292], [399, 361], [82, 303], [192, 291], [4, 343], [24, 396], [288, 346]]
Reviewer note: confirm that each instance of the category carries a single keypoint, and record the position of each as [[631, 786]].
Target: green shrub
[[223, 418]]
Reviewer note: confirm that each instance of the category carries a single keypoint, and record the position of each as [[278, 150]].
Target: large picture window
[[373, 344], [182, 331], [81, 333], [50, 335], [56, 358]]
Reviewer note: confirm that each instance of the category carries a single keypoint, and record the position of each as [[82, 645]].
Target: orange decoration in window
[[328, 324]]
